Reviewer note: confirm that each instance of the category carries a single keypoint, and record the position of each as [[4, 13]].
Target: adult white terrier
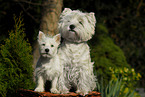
[[48, 66], [76, 28]]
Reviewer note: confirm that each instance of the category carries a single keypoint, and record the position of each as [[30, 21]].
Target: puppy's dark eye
[[43, 44], [52, 45]]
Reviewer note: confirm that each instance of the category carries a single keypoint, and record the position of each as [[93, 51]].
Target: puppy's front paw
[[55, 91], [39, 89], [82, 93]]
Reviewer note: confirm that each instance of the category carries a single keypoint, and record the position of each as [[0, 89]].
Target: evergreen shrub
[[110, 63], [15, 62], [105, 54]]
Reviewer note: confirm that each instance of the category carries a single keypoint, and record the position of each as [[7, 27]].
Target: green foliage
[[110, 62], [126, 24], [129, 76], [114, 89], [105, 53], [131, 41], [15, 62]]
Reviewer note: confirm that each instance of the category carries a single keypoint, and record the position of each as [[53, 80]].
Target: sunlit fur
[[75, 52], [48, 66]]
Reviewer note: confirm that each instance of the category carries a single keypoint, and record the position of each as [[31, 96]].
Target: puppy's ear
[[41, 35], [57, 38]]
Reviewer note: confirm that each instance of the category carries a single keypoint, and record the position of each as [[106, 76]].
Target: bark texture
[[50, 16], [49, 22]]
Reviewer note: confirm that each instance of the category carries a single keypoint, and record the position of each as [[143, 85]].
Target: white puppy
[[76, 28], [48, 66]]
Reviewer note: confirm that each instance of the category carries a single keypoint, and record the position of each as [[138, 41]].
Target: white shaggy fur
[[76, 28], [48, 66]]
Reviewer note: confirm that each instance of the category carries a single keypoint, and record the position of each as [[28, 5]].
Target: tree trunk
[[49, 21], [50, 16]]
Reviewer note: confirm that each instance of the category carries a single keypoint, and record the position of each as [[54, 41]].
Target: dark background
[[124, 19]]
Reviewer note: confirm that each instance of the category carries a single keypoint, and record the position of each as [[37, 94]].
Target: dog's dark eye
[[52, 45], [43, 44], [80, 22]]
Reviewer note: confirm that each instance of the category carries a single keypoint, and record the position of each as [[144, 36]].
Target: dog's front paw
[[39, 89], [82, 93], [65, 91], [55, 91]]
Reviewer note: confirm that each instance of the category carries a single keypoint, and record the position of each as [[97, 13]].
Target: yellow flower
[[126, 90], [125, 78], [113, 76], [126, 69], [138, 74], [121, 71], [132, 70], [110, 68]]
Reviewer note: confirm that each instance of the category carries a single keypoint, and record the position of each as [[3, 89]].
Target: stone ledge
[[31, 93]]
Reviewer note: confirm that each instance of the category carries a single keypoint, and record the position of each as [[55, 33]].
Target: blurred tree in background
[[120, 22]]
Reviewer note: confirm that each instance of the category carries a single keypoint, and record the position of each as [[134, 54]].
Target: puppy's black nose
[[46, 50], [72, 27]]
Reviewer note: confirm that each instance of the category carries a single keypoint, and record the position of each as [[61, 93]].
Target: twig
[[29, 2], [36, 20]]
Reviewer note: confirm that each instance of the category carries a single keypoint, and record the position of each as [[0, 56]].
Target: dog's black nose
[[72, 27], [46, 50]]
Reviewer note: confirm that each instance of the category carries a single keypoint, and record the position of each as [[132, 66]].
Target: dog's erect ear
[[41, 35], [91, 18], [57, 38], [65, 12]]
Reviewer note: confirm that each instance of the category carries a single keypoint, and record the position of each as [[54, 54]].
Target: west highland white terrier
[[48, 66], [76, 28]]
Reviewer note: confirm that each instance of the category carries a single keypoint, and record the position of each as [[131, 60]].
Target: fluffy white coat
[[48, 66], [76, 28]]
